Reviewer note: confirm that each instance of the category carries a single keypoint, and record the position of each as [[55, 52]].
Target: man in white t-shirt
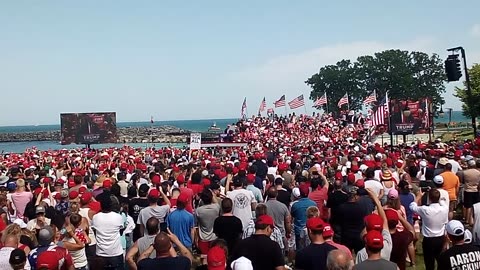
[[438, 181], [10, 244], [373, 184], [243, 201], [108, 227]]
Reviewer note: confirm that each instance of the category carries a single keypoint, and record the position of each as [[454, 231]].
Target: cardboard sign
[[195, 141]]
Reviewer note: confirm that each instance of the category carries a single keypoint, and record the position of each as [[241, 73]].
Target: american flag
[[343, 100], [372, 98], [280, 102], [270, 111], [296, 102], [244, 108], [320, 101], [381, 113], [263, 105]]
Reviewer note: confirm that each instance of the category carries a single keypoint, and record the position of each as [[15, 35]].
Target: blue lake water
[[191, 125]]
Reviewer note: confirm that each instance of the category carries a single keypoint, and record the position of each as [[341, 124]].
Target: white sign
[[195, 141]]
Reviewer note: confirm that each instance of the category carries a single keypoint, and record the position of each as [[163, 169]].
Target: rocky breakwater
[[160, 134]]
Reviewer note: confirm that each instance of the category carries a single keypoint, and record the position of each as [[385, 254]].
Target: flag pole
[[326, 104], [348, 104]]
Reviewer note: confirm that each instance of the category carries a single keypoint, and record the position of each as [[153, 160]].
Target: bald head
[[338, 260], [152, 226], [11, 241], [162, 244]]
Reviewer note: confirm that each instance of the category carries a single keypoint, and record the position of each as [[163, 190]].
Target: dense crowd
[[304, 193]]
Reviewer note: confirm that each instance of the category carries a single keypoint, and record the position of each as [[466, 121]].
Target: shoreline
[[157, 134]]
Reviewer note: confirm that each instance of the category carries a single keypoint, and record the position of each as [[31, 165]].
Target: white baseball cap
[[242, 263], [455, 228], [467, 237], [438, 179]]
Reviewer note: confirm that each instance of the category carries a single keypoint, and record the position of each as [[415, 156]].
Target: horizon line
[[176, 120]]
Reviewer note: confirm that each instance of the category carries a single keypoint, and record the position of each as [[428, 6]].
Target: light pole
[[406, 114], [449, 118], [469, 89]]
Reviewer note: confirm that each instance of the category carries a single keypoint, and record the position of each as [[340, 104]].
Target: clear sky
[[199, 59]]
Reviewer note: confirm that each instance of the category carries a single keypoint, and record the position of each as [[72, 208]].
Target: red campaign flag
[[297, 102], [280, 102], [320, 101]]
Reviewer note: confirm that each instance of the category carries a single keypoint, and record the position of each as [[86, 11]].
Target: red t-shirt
[[319, 196]]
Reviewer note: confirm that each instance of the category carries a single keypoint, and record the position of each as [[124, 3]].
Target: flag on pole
[[151, 119], [320, 101], [280, 102], [343, 100], [370, 99], [296, 102], [244, 108], [263, 105], [270, 111], [427, 113], [381, 113]]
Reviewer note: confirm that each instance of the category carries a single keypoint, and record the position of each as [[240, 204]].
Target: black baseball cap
[[17, 257]]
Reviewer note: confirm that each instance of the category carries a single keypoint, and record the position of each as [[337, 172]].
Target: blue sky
[[199, 59]]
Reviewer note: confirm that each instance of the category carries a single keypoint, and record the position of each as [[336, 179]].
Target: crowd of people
[[304, 193]]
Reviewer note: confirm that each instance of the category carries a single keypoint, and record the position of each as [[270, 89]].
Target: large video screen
[[88, 128], [417, 121]]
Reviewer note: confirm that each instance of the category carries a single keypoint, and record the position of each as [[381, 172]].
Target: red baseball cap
[[360, 183], [327, 231], [181, 179], [373, 222], [315, 224], [216, 258], [265, 220], [351, 178], [304, 190], [48, 260], [73, 194], [107, 183], [250, 178], [392, 215], [374, 239], [156, 179], [82, 189], [85, 197], [57, 196], [183, 197], [71, 183], [47, 180], [154, 193]]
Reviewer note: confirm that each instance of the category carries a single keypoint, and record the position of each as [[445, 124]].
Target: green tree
[[470, 106], [336, 80], [403, 74]]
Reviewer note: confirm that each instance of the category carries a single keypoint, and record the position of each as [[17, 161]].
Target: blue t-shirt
[[406, 200], [181, 222], [299, 213]]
